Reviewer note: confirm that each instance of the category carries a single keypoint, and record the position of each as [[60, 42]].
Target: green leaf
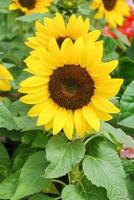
[[130, 52], [4, 161], [103, 174], [94, 193], [6, 118], [130, 186], [63, 156], [127, 101], [71, 192], [30, 180], [116, 135], [8, 186], [122, 37], [20, 156], [128, 166], [101, 149], [40, 197], [127, 122], [40, 141]]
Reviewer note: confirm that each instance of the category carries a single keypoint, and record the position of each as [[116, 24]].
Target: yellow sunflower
[[5, 77], [57, 28], [70, 86], [30, 6], [114, 11]]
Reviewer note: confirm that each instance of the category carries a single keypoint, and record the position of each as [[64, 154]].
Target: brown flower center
[[109, 4], [71, 87], [27, 3]]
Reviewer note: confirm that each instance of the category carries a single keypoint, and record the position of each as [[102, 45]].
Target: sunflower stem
[[90, 138]]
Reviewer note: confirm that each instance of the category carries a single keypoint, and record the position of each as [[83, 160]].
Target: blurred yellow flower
[[30, 6], [114, 11], [5, 77]]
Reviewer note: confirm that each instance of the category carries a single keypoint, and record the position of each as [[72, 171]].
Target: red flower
[[127, 28]]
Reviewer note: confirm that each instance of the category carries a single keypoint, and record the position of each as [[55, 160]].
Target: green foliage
[[26, 181], [102, 166], [63, 156]]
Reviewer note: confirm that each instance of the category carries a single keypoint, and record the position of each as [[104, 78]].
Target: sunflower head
[[70, 87], [30, 6], [57, 28], [5, 77], [114, 11]]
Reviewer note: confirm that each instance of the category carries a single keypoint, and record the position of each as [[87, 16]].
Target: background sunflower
[[30, 6], [114, 11], [5, 77], [57, 28]]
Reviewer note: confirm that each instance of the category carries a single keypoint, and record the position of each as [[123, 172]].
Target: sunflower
[[70, 86], [30, 6], [57, 28], [114, 11], [5, 77]]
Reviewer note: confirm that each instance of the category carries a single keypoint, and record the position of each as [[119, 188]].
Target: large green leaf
[[63, 156], [26, 181], [30, 180], [103, 174], [103, 150], [8, 186]]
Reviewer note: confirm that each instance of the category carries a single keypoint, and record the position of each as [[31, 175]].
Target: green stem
[[90, 138]]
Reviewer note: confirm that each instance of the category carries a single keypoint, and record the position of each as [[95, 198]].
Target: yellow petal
[[36, 109], [4, 85], [59, 120], [104, 69], [101, 115], [69, 125], [91, 117], [49, 125], [104, 105], [80, 123], [48, 113], [5, 73], [66, 47], [35, 98], [34, 81]]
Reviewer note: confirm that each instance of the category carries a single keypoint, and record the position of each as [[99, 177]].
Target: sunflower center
[[109, 4], [71, 87], [60, 40], [27, 3]]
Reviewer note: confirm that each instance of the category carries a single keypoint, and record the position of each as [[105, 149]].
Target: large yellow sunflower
[[70, 86], [5, 77], [114, 11], [57, 28], [30, 6]]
